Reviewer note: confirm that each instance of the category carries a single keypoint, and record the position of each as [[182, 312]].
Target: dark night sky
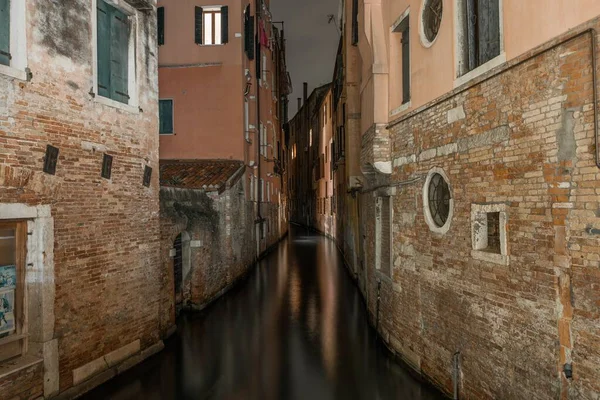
[[311, 42]]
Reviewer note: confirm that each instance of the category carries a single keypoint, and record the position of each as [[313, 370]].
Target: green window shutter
[[198, 15], [103, 55], [165, 113], [224, 24], [406, 65], [472, 35], [161, 25], [5, 32], [119, 56]]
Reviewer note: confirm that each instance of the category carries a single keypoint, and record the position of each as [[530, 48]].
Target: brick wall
[[523, 138], [106, 231]]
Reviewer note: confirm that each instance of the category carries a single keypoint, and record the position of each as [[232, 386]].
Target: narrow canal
[[295, 329]]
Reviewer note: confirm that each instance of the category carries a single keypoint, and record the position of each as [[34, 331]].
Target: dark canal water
[[296, 329]]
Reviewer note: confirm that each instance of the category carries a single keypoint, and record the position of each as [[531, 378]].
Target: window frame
[[20, 335], [133, 91], [172, 117], [479, 233], [433, 226], [462, 75], [18, 66]]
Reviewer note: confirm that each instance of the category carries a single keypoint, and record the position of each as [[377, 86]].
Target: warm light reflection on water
[[296, 329]]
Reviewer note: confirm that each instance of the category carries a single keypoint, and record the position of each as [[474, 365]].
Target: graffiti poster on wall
[[8, 285], [7, 312], [8, 277]]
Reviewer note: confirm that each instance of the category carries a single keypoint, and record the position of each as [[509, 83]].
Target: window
[[13, 46], [160, 14], [354, 22], [5, 32], [403, 29], [431, 19], [481, 33], [13, 236], [165, 113], [249, 33], [114, 33], [489, 233], [438, 204], [212, 25]]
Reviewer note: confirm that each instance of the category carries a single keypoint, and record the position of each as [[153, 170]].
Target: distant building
[[79, 194], [471, 204], [223, 105]]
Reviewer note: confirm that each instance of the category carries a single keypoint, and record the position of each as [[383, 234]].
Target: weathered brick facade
[[522, 136], [101, 294]]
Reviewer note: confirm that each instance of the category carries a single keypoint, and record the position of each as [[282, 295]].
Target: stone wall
[[222, 231], [106, 234], [520, 138]]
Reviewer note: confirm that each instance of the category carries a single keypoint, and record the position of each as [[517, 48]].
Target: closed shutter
[[198, 25], [354, 22], [405, 65], [224, 24], [5, 32], [119, 56], [489, 30], [104, 42], [249, 34], [472, 34], [165, 113], [161, 25]]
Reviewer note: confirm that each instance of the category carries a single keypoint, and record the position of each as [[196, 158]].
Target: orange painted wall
[[206, 84]]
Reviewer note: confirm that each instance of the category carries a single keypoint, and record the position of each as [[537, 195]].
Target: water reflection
[[296, 329]]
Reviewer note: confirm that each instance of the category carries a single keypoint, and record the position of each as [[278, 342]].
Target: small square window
[[107, 166], [147, 176], [488, 232], [51, 160]]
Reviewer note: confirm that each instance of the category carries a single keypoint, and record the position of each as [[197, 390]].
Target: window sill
[[10, 367], [211, 45], [400, 109], [13, 72], [167, 134], [116, 104], [490, 257], [482, 69]]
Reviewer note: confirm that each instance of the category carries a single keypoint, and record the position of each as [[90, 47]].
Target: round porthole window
[[431, 20], [438, 204]]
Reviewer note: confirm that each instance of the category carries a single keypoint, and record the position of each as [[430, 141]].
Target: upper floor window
[[481, 38], [13, 48], [403, 29], [160, 15], [212, 25], [115, 53], [165, 112], [5, 32]]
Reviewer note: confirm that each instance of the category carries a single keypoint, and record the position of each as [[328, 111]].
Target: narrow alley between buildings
[[295, 329]]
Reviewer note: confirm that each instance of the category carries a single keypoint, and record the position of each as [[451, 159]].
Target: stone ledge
[[18, 364]]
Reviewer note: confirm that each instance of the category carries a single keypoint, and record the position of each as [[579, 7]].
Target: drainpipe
[[259, 66]]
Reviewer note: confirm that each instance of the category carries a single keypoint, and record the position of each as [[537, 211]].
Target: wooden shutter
[[406, 65], [489, 30], [161, 25], [249, 34], [165, 112], [119, 56], [5, 32], [472, 48], [199, 14], [354, 22], [103, 22], [224, 24]]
